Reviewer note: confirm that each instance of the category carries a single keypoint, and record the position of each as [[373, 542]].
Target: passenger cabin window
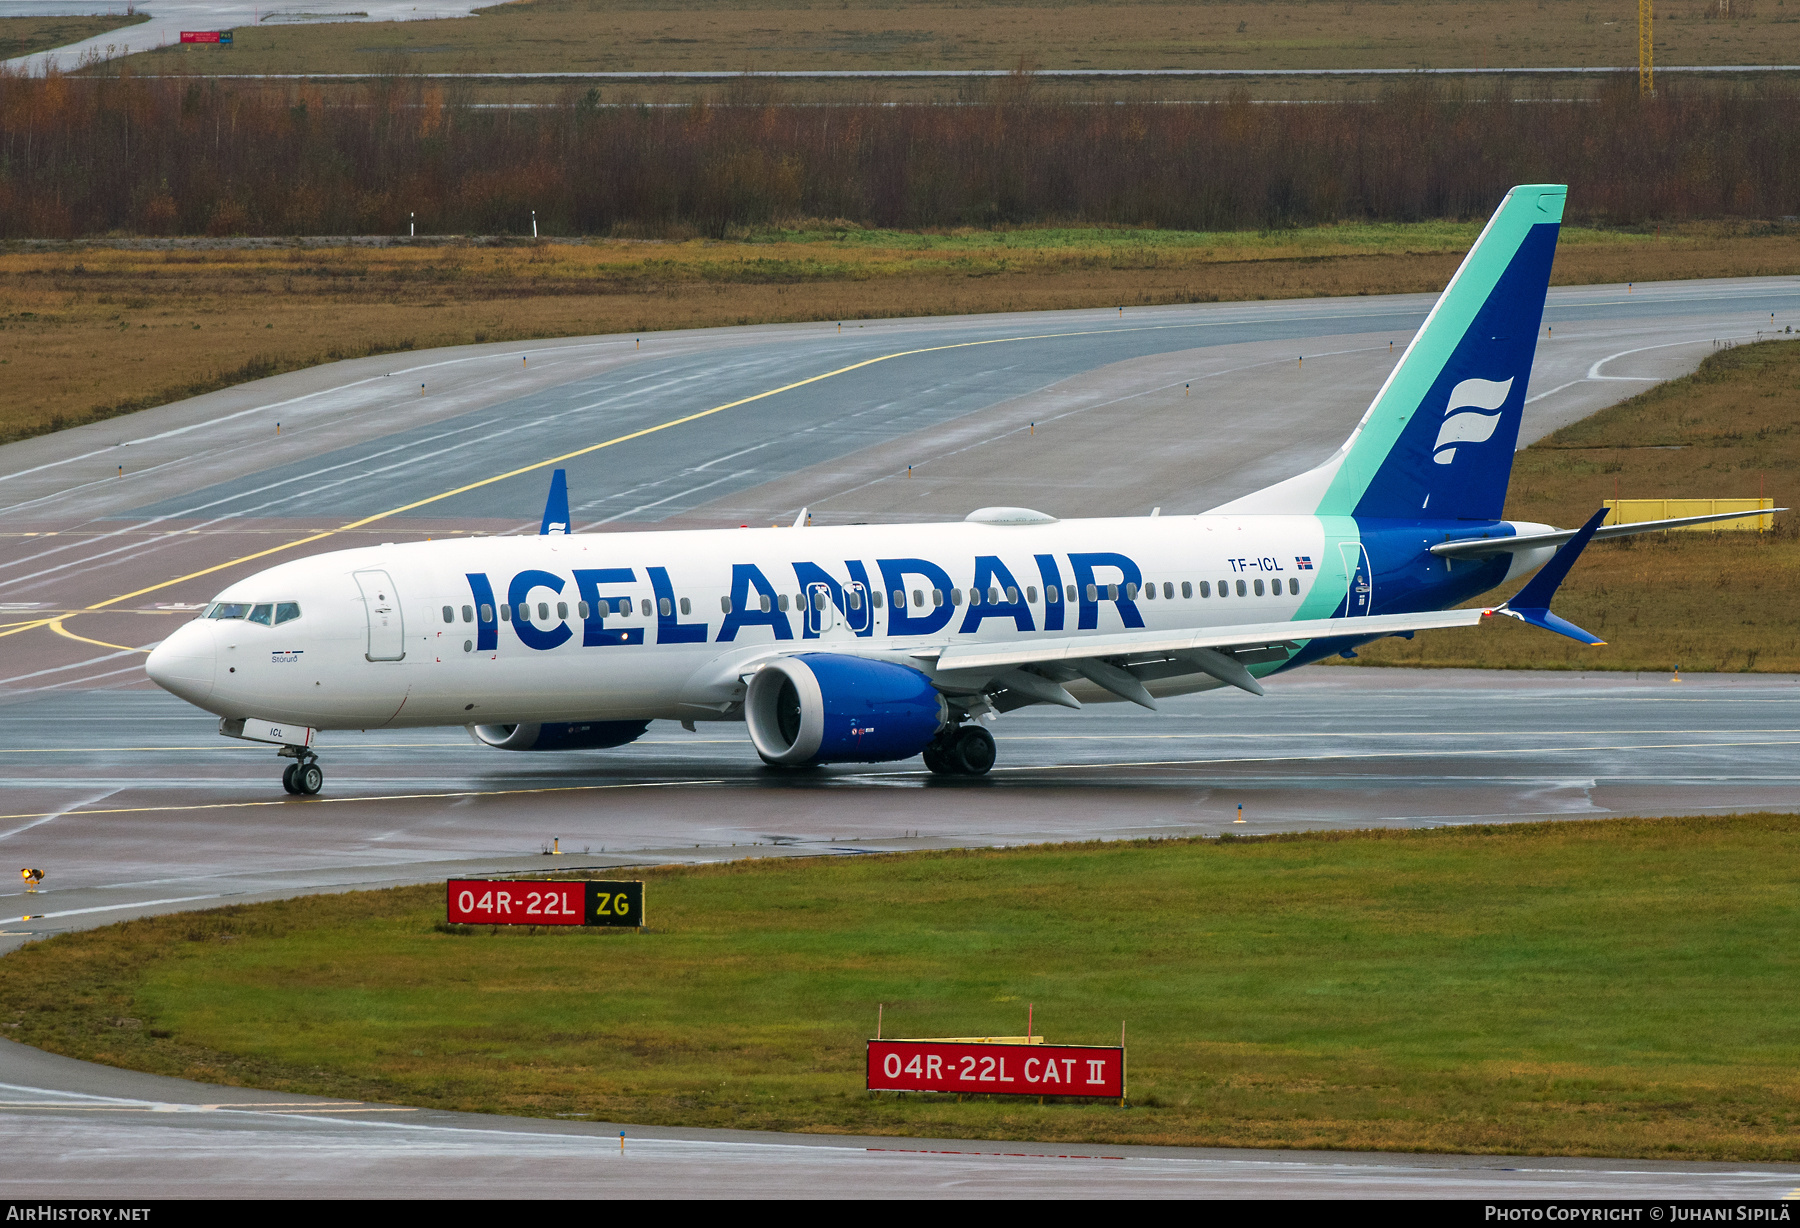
[[487, 613], [663, 607], [1093, 593], [1071, 591], [543, 611], [449, 614], [286, 612], [562, 609], [876, 598], [581, 608], [724, 605], [645, 606], [1131, 591], [781, 603], [264, 614], [1169, 591], [1052, 595], [686, 606], [1293, 587], [1112, 592], [505, 613], [854, 597], [1240, 588], [1205, 589], [766, 606], [1224, 588], [468, 614], [1012, 595], [1259, 588], [227, 609], [937, 596], [1030, 594], [956, 597]]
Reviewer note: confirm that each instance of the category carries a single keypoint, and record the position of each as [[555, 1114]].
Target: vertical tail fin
[[1438, 440]]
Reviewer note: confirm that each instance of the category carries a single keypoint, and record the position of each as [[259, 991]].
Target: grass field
[[30, 35], [1602, 988], [89, 331], [603, 35], [1701, 601]]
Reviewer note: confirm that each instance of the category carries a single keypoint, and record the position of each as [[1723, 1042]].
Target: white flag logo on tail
[[1479, 402]]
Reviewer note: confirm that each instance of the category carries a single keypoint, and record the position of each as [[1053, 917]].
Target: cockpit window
[[286, 612], [264, 614], [227, 609]]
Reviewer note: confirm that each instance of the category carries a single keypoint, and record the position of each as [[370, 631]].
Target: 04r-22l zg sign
[[483, 901], [996, 1070]]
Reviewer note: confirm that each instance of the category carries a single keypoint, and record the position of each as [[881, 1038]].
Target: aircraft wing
[[1168, 643], [1034, 672]]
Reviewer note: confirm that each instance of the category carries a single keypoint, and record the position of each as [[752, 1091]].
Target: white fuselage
[[395, 635]]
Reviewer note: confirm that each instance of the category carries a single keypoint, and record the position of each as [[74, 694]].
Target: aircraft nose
[[183, 664]]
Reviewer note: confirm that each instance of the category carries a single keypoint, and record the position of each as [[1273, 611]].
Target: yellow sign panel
[[1632, 511]]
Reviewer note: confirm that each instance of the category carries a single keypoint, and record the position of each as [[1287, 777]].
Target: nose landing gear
[[304, 777]]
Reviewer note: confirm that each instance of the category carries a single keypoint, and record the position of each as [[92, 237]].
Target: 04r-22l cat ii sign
[[996, 1069]]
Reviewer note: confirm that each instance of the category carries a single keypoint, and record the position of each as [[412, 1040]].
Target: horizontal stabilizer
[[1481, 547]]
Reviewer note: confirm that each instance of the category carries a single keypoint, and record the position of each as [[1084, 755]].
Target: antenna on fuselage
[[556, 508]]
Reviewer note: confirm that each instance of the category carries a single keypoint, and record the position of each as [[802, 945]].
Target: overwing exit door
[[821, 611], [1359, 599], [387, 632]]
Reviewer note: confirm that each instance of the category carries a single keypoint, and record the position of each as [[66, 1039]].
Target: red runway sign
[[206, 36], [476, 901], [996, 1070]]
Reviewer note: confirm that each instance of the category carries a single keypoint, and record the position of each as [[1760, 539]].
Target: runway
[[131, 803]]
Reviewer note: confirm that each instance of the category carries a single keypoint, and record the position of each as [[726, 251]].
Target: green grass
[[1615, 988]]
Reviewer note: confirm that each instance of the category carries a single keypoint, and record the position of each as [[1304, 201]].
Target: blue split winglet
[[556, 508], [1532, 603]]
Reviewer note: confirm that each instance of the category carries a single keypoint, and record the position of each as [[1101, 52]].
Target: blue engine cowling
[[560, 735], [820, 707]]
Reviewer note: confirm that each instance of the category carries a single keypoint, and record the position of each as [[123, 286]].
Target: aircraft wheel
[[309, 778], [973, 751], [937, 761], [287, 778]]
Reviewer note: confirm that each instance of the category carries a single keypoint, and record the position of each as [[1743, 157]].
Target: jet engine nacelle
[[562, 735], [820, 707]]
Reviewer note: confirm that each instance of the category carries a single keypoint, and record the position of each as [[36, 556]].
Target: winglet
[[556, 508], [1531, 604]]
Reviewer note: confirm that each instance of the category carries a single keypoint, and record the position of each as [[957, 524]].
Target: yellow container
[[1632, 511]]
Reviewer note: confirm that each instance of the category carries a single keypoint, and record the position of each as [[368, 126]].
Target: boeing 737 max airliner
[[870, 643]]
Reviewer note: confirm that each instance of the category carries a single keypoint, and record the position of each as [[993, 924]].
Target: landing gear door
[[1359, 599], [387, 633]]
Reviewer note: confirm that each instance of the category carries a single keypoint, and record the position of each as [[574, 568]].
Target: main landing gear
[[303, 777], [967, 750]]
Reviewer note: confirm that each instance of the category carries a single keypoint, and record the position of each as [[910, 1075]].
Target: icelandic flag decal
[[1303, 562]]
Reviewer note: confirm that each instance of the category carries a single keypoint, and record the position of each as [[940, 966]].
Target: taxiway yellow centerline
[[596, 447]]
